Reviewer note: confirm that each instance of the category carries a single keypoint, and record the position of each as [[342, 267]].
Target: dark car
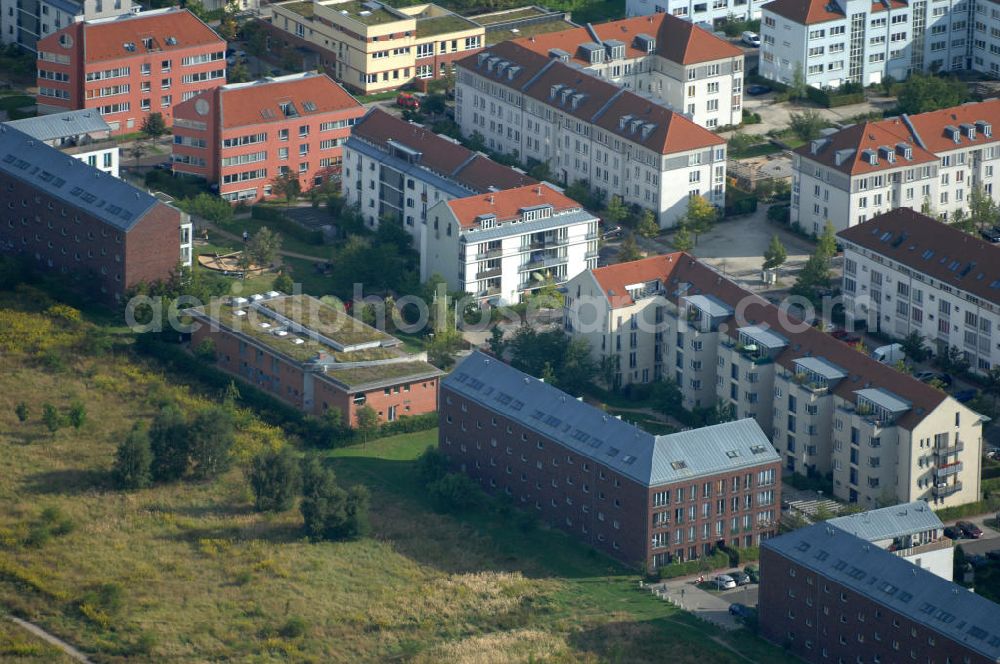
[[757, 90], [612, 233], [753, 572], [928, 376], [739, 610], [964, 396], [845, 336], [991, 234], [741, 578], [994, 554], [969, 529], [954, 532]]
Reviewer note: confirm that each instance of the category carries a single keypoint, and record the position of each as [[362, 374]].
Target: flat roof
[[335, 324], [649, 460], [439, 25], [890, 522], [919, 595], [368, 13], [62, 125], [710, 304], [884, 398], [764, 336], [821, 367]]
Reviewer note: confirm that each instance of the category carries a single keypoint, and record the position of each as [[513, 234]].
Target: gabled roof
[[113, 201], [805, 12], [613, 279], [262, 101], [506, 205], [895, 583], [925, 245], [171, 29], [62, 125], [847, 150], [592, 433], [932, 126], [447, 158], [676, 39], [890, 522]]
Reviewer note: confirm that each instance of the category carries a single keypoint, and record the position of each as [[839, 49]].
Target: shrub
[[835, 98], [455, 493], [704, 564], [275, 479], [168, 438], [329, 512], [779, 213], [293, 628], [211, 435], [431, 465], [133, 460]]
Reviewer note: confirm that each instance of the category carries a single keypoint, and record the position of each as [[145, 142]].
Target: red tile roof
[[259, 102], [506, 205], [676, 39], [106, 39], [850, 144], [938, 250], [483, 174], [931, 126], [805, 12], [683, 274]]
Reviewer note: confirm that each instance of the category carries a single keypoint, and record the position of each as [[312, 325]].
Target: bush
[[293, 628], [780, 213], [133, 460], [705, 564], [835, 98], [275, 479], [208, 207], [52, 522], [455, 493], [431, 466], [329, 512], [277, 221]]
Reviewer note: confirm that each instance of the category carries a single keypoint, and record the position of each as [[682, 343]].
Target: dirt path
[[54, 640]]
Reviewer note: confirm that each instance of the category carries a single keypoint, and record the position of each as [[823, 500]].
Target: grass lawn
[[198, 576], [220, 245], [758, 150], [18, 646], [304, 273], [288, 243]]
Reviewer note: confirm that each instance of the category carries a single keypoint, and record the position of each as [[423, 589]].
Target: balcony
[[543, 262], [936, 545], [495, 272], [545, 244], [492, 253], [944, 490], [950, 469], [953, 449]]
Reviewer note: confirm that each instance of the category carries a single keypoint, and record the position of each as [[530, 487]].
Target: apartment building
[[504, 245], [828, 596], [905, 272], [315, 357], [72, 219], [911, 531], [395, 169], [643, 499], [930, 161], [828, 409], [243, 135], [698, 11], [833, 42], [660, 57], [82, 134], [24, 23], [588, 129], [128, 67], [372, 47]]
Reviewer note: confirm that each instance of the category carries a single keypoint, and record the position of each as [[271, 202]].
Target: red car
[[845, 336], [406, 100], [969, 529]]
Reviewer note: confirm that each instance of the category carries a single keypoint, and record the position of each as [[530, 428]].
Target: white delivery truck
[[890, 354]]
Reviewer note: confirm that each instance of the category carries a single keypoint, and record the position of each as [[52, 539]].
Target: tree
[[615, 212], [925, 206], [212, 433], [238, 73], [138, 150], [197, 8], [275, 479], [826, 244], [668, 397], [255, 38], [329, 512], [496, 341], [954, 360], [775, 255], [648, 227], [168, 439], [993, 384], [22, 411], [682, 239], [283, 283], [133, 460], [577, 369], [77, 414], [154, 126], [264, 246], [629, 249], [286, 184], [367, 421], [983, 209], [609, 371], [806, 125], [961, 220], [455, 492], [798, 88], [431, 465], [922, 92], [914, 346], [51, 418], [700, 216], [815, 274]]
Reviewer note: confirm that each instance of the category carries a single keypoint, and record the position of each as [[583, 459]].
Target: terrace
[[361, 13]]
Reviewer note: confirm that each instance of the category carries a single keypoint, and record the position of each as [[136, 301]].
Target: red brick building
[[71, 218], [829, 596], [316, 357], [129, 66], [644, 499], [243, 135]]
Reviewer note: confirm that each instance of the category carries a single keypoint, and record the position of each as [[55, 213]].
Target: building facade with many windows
[[244, 135], [931, 161], [504, 245], [588, 129], [82, 134], [698, 11], [827, 408], [905, 272], [24, 23], [643, 499], [128, 67]]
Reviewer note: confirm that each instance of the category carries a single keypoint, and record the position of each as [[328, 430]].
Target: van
[[890, 354]]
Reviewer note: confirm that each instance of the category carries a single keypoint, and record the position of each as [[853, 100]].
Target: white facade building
[[399, 170], [931, 161], [82, 134], [838, 41], [911, 531], [24, 23], [905, 272], [878, 434], [499, 246], [698, 11], [680, 65], [587, 129]]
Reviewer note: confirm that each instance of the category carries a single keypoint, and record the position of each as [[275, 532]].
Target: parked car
[[740, 577], [757, 90], [845, 336], [408, 101], [928, 376], [889, 354], [753, 572], [953, 532], [725, 582], [964, 396], [991, 234], [751, 38], [969, 529], [612, 233], [739, 610]]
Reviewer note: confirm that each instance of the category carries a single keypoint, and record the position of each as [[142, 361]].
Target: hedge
[[989, 505], [717, 560], [277, 221], [833, 99]]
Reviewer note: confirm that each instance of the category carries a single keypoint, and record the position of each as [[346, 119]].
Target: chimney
[[538, 190], [490, 199]]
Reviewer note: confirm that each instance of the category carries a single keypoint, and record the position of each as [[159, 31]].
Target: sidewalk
[[685, 594]]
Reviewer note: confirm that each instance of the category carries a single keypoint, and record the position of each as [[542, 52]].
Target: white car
[[725, 582], [751, 39]]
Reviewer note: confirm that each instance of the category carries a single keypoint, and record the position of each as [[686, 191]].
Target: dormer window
[[871, 157], [985, 128], [953, 133]]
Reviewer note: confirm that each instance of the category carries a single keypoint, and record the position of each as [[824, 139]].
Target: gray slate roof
[[62, 125], [648, 459], [84, 187], [890, 522], [921, 596]]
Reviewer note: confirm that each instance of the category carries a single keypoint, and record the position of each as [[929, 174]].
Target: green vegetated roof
[[300, 8], [370, 17], [504, 34], [332, 323], [503, 17], [376, 373], [439, 25], [249, 325]]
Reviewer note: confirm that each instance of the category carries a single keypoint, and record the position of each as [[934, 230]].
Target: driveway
[[710, 606]]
